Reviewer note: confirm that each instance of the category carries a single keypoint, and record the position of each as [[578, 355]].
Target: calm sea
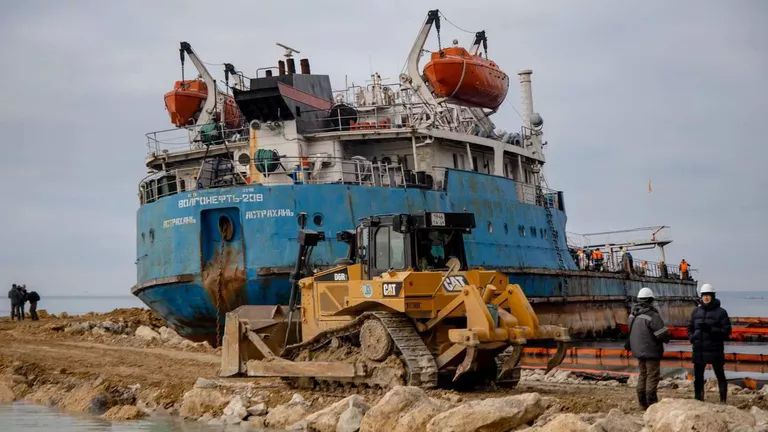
[[35, 418], [737, 303], [75, 305]]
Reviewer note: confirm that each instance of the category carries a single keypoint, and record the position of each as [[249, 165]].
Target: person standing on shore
[[15, 296], [33, 298], [647, 334], [22, 299], [708, 329]]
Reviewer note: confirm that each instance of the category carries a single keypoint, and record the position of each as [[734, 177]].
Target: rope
[[451, 23]]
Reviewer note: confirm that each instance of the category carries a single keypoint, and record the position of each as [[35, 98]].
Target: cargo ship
[[220, 208]]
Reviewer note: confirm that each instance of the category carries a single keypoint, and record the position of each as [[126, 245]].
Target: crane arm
[[206, 115], [417, 82]]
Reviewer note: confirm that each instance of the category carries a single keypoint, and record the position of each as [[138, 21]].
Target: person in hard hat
[[708, 329], [647, 334]]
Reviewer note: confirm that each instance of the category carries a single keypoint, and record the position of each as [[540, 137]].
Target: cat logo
[[391, 289], [454, 283]]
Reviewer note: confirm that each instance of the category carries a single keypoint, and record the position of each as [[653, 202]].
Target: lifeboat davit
[[466, 79], [186, 100]]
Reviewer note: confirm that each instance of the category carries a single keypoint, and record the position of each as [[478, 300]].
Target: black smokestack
[[304, 63], [281, 67], [291, 66]]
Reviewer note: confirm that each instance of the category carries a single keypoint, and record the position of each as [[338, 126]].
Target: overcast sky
[[674, 92]]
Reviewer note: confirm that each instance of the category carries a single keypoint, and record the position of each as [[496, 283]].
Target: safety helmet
[[645, 293], [706, 289]]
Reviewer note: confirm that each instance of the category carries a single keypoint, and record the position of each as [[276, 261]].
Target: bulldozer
[[401, 308]]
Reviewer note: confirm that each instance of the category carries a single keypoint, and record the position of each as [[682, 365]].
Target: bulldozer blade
[[510, 363], [468, 364], [562, 348]]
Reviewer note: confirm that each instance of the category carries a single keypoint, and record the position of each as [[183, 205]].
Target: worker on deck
[[684, 270], [581, 259], [597, 259], [709, 327], [627, 264], [647, 334]]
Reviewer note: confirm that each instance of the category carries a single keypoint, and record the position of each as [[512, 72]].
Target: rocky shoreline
[[125, 365]]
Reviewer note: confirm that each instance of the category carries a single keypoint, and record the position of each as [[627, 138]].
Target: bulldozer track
[[421, 369]]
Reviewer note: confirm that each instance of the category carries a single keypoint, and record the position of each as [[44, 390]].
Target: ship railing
[[330, 170], [640, 267], [403, 116], [193, 138], [285, 170], [165, 183]]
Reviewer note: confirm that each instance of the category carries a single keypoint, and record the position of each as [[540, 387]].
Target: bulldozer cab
[[424, 242]]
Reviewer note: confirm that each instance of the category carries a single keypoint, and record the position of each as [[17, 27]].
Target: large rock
[[123, 412], [684, 415], [761, 418], [200, 401], [6, 389], [562, 423], [617, 421], [326, 419], [147, 333], [403, 409], [490, 415], [235, 411], [282, 416], [350, 419], [259, 409]]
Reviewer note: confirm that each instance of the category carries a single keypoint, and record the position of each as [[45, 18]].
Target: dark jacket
[[15, 295], [647, 332], [708, 329], [33, 297]]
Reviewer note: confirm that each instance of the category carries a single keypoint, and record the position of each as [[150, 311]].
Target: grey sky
[[671, 91]]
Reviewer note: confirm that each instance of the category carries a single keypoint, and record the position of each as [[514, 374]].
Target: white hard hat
[[707, 289], [645, 293]]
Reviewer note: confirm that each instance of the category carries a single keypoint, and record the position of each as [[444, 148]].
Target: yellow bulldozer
[[401, 308]]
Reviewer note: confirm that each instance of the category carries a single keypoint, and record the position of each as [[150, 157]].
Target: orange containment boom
[[466, 79], [622, 353]]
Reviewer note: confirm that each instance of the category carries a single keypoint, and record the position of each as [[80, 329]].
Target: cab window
[[389, 249]]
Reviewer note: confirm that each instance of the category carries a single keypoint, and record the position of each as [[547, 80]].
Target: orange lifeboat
[[466, 79], [186, 100]]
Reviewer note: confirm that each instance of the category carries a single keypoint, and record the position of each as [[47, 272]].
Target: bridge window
[[533, 231], [521, 230]]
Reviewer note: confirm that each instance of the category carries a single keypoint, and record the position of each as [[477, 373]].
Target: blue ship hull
[[191, 275]]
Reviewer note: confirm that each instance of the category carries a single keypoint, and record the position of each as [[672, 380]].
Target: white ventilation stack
[[532, 121]]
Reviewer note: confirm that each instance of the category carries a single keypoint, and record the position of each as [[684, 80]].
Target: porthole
[[521, 230], [490, 227], [226, 228], [317, 219], [143, 237], [151, 235], [506, 228], [533, 231]]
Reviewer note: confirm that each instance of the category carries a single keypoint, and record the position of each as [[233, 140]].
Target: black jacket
[[33, 297], [708, 329], [15, 295], [647, 332]]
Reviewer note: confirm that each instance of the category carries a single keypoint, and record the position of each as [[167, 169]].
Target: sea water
[[35, 418], [737, 303], [75, 305]]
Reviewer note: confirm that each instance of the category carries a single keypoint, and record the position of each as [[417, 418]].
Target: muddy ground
[[93, 362]]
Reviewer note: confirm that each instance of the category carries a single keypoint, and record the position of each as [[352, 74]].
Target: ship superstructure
[[218, 219]]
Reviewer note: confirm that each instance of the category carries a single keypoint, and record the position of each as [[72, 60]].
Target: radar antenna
[[288, 50]]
